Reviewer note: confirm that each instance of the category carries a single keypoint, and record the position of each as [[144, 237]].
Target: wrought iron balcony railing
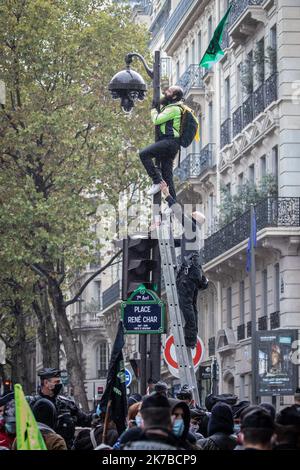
[[275, 320], [239, 7], [263, 323], [241, 332], [111, 295], [225, 134], [211, 346], [192, 78], [271, 89], [255, 104], [174, 20], [237, 121], [196, 163], [271, 212]]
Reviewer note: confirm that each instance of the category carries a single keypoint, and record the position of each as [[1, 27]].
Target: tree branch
[[75, 298]]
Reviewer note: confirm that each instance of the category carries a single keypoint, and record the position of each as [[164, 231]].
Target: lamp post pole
[[149, 345], [155, 340]]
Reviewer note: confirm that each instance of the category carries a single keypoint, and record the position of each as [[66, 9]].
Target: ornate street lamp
[[129, 86]]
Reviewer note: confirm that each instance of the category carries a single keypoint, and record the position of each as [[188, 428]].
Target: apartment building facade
[[248, 108]]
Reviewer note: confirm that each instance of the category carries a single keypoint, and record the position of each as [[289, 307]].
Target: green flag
[[28, 434], [214, 51]]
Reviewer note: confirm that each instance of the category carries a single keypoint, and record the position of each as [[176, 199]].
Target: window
[[229, 308], [264, 297], [193, 53], [210, 123], [242, 302], [102, 359], [177, 71], [227, 98], [239, 88], [247, 72], [241, 180], [260, 61], [211, 315], [199, 40], [209, 29], [251, 174], [277, 287], [272, 53], [263, 166], [187, 58], [275, 163]]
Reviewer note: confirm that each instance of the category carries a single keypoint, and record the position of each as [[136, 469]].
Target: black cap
[[185, 393], [160, 387], [258, 419], [49, 373], [155, 400], [289, 416]]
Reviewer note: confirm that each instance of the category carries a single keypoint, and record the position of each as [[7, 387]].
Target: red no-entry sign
[[170, 354]]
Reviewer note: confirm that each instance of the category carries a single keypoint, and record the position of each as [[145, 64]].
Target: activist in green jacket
[[168, 120], [165, 149]]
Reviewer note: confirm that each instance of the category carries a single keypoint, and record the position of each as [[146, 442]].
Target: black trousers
[[165, 151], [187, 296]]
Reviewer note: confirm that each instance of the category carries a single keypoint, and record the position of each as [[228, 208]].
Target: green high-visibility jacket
[[168, 120]]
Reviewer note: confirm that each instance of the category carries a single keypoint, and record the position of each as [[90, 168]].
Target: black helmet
[[185, 393]]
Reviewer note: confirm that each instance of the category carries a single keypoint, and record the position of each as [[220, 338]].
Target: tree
[[63, 139]]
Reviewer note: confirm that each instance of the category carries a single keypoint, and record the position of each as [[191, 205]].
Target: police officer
[[69, 415], [190, 279]]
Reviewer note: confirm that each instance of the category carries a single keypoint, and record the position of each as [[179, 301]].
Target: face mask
[[139, 421], [178, 427], [10, 428], [56, 389]]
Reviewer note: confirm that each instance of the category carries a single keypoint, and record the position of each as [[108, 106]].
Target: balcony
[[212, 346], [195, 164], [160, 20], [191, 79], [263, 323], [244, 17], [86, 320], [271, 212], [176, 18], [255, 104], [275, 320], [225, 133], [241, 332], [111, 295]]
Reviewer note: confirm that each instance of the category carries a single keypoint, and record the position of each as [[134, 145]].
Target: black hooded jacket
[[220, 429]]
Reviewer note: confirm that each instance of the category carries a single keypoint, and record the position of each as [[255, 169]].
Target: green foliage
[[62, 137], [232, 206]]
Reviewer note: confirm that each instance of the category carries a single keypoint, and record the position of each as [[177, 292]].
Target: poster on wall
[[277, 373]]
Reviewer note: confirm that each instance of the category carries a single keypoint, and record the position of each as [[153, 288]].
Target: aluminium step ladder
[[169, 266]]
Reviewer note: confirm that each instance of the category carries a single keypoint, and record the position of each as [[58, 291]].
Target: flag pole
[[253, 303]]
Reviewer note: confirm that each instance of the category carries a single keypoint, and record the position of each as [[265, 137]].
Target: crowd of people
[[160, 422]]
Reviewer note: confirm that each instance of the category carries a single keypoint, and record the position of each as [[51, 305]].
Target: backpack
[[189, 127]]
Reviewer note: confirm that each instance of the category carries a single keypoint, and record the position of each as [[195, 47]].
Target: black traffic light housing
[[7, 386], [138, 263]]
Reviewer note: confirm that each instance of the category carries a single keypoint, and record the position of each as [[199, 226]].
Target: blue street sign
[[143, 318], [128, 377]]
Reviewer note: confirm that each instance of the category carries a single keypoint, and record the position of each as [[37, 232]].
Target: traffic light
[[138, 263], [7, 386]]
